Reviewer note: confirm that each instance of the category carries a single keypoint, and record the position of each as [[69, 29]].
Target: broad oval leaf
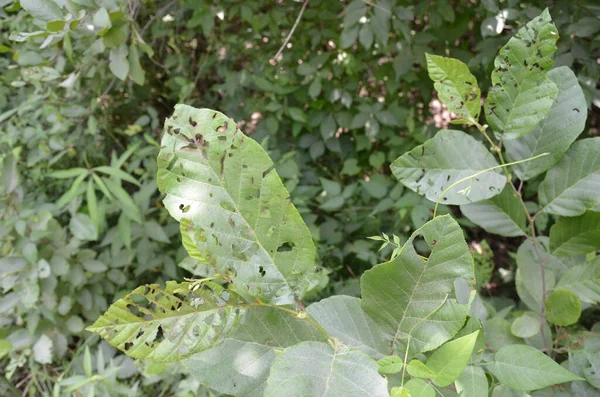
[[343, 317], [431, 168], [522, 367], [526, 326], [556, 132], [522, 94], [408, 296], [237, 213], [583, 280], [450, 360], [317, 369], [472, 382], [502, 214], [576, 236], [457, 88], [572, 186], [233, 367], [563, 307]]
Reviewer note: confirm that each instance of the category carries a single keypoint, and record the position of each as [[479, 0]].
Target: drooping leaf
[[456, 86], [556, 132], [501, 214], [171, 323], [233, 367], [522, 94], [522, 367], [576, 236], [583, 280], [563, 307], [344, 318], [431, 168], [238, 213], [572, 186], [317, 369], [450, 360], [408, 297], [472, 382]]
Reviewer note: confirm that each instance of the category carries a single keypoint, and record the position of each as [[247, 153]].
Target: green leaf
[[431, 168], [119, 65], [526, 326], [502, 214], [498, 334], [155, 232], [563, 307], [472, 382], [522, 367], [135, 68], [343, 317], [172, 323], [572, 186], [576, 236], [92, 204], [55, 26], [365, 36], [117, 173], [66, 174], [450, 360], [128, 205], [238, 211], [457, 88], [390, 365], [418, 369], [83, 227], [101, 19], [419, 388], [317, 369], [233, 367], [583, 280], [124, 229], [5, 348], [522, 94], [399, 295], [10, 173], [45, 10], [530, 286], [556, 132]]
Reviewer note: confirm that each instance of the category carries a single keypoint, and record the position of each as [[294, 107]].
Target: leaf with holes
[[433, 167], [411, 298], [572, 186], [522, 94], [457, 88], [237, 214], [576, 236], [317, 369], [502, 214], [556, 132]]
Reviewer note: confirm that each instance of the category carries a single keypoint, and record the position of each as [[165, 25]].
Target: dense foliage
[[85, 90]]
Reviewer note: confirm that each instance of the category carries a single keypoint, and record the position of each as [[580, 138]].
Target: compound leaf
[[556, 132], [408, 296], [457, 88], [431, 168], [317, 369], [522, 94], [238, 214], [572, 186]]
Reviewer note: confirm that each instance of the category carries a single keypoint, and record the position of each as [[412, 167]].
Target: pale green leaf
[[522, 94], [83, 228], [556, 132], [317, 369], [522, 367], [576, 236], [239, 214], [563, 307], [408, 296], [155, 232], [472, 382], [233, 367], [390, 365], [498, 334], [343, 317], [450, 360], [135, 67], [10, 173], [42, 350], [45, 10], [419, 388], [119, 65], [530, 286], [583, 280], [501, 214], [457, 88], [572, 186], [431, 168], [129, 207], [418, 369], [92, 204], [124, 229], [66, 174], [70, 194], [526, 326]]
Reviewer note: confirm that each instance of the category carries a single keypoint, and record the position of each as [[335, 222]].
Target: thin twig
[[289, 36]]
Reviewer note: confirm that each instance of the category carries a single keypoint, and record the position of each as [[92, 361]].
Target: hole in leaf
[[160, 336], [285, 247], [223, 128]]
